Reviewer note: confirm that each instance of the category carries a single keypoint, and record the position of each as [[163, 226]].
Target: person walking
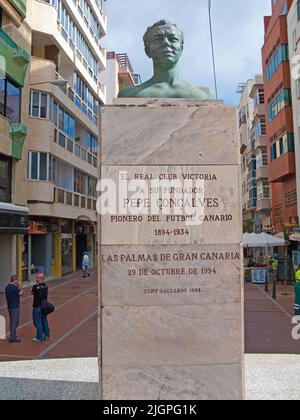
[[40, 321], [13, 294], [297, 292], [85, 265]]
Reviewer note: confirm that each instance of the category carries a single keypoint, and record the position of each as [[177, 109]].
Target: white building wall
[[110, 77]]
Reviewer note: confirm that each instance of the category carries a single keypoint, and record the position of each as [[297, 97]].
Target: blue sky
[[238, 32]]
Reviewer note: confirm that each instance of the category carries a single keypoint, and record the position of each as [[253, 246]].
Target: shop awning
[[13, 219], [295, 237], [262, 240]]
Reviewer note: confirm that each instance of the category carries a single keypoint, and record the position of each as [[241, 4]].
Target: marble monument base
[[171, 307]]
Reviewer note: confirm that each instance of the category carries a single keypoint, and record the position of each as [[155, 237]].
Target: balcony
[[47, 200], [259, 110], [94, 44], [40, 191], [80, 104], [251, 205], [262, 172], [101, 15], [76, 201], [260, 142], [44, 70], [263, 205], [45, 138], [251, 176], [76, 149], [47, 31], [126, 72], [282, 168]]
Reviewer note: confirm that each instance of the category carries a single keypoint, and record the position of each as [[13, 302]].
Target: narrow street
[[268, 323], [73, 325]]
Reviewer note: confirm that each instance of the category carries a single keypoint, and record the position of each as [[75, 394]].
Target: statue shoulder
[[127, 92], [207, 92]]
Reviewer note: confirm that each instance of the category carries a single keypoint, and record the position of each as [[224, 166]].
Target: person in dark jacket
[[40, 321], [13, 293]]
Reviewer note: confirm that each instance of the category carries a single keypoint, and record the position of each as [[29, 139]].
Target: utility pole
[[212, 48]]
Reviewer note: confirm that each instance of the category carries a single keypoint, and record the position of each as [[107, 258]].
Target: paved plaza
[[66, 366], [268, 377]]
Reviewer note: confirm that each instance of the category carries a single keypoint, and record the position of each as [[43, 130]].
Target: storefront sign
[[37, 228]]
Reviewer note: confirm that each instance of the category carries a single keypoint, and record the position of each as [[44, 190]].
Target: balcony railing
[[69, 198], [251, 175], [74, 148], [251, 203], [70, 93]]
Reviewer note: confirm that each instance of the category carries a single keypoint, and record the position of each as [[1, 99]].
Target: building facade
[[119, 73], [255, 185], [15, 47], [62, 146], [279, 122], [294, 54]]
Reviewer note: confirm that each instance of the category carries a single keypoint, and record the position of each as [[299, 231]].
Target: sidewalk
[[268, 323], [73, 325], [268, 377]]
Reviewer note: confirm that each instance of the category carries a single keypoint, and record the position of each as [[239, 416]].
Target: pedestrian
[[40, 321], [297, 292], [85, 265], [13, 294]]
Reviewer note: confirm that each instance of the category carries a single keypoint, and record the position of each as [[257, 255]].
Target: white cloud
[[238, 32]]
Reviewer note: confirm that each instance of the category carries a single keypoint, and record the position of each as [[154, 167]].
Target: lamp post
[[58, 82]]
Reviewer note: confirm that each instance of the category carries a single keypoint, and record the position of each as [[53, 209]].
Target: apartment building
[[294, 54], [15, 48], [64, 98], [248, 166], [119, 73], [257, 145], [255, 186], [279, 124]]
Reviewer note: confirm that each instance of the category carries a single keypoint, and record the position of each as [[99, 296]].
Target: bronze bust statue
[[164, 43]]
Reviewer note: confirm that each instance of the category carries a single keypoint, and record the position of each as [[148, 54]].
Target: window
[[284, 9], [2, 96], [41, 167], [92, 187], [10, 100], [79, 182], [90, 105], [54, 112], [282, 146], [44, 105], [13, 101], [5, 179], [283, 99], [39, 104], [63, 120], [280, 55]]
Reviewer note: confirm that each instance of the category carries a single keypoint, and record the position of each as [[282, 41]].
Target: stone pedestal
[[171, 308]]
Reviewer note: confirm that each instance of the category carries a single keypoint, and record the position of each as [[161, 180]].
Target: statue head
[[164, 43]]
